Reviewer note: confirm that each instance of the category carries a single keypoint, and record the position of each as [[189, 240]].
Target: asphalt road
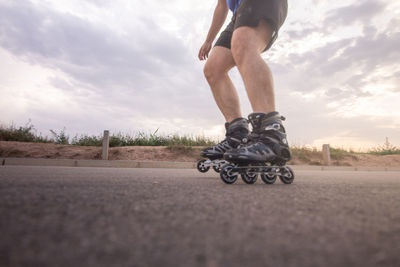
[[55, 216]]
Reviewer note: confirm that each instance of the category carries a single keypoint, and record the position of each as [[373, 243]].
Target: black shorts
[[249, 13]]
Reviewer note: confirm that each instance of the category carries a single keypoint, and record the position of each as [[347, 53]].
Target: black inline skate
[[236, 131], [265, 153]]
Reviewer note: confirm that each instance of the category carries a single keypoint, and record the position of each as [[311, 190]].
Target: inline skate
[[265, 153], [236, 132]]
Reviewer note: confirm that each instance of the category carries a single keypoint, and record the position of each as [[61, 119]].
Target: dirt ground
[[157, 153]]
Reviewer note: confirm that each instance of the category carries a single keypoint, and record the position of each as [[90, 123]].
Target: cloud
[[347, 61], [363, 12], [89, 53], [335, 77], [141, 69], [132, 65], [303, 33]]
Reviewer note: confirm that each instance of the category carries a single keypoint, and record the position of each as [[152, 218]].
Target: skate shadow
[[261, 184]]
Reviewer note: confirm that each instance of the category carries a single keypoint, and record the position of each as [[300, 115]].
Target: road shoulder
[[159, 164]]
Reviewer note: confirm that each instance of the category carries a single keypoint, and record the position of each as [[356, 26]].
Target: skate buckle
[[275, 127]]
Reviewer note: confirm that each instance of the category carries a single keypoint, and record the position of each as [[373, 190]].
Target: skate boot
[[236, 132], [266, 152]]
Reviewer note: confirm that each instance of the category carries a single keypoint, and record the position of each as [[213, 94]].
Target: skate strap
[[233, 142], [252, 138], [255, 137], [235, 125], [222, 147], [273, 127]]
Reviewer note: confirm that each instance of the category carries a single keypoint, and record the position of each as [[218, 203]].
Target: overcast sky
[[128, 65]]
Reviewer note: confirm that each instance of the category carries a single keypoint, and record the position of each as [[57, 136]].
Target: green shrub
[[25, 133], [86, 140], [386, 149], [60, 138]]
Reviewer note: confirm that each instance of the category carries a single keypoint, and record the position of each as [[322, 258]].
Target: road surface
[[58, 216]]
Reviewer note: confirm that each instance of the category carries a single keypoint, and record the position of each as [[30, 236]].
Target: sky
[[131, 66]]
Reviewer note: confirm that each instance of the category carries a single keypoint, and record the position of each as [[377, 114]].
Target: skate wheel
[[227, 175], [286, 175], [201, 167], [217, 168], [250, 176], [220, 163], [268, 178]]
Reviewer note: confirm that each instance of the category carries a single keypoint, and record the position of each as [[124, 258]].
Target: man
[[253, 30]]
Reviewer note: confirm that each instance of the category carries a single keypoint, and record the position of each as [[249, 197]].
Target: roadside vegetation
[[28, 133]]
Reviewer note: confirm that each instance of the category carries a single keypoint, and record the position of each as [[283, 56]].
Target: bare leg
[[216, 72], [247, 44]]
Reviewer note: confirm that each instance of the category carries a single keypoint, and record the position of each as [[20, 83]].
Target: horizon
[[92, 65]]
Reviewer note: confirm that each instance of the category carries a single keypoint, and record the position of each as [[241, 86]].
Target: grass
[[28, 133], [25, 133], [177, 143], [305, 154], [340, 153], [386, 149]]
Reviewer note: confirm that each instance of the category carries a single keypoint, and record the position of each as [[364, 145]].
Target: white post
[[326, 155], [106, 143]]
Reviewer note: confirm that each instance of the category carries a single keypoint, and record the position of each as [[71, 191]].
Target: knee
[[240, 50], [211, 72]]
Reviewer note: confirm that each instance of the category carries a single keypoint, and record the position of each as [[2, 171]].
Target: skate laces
[[224, 144]]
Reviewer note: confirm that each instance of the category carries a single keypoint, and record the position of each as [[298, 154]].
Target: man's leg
[[247, 44], [216, 72], [269, 144]]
